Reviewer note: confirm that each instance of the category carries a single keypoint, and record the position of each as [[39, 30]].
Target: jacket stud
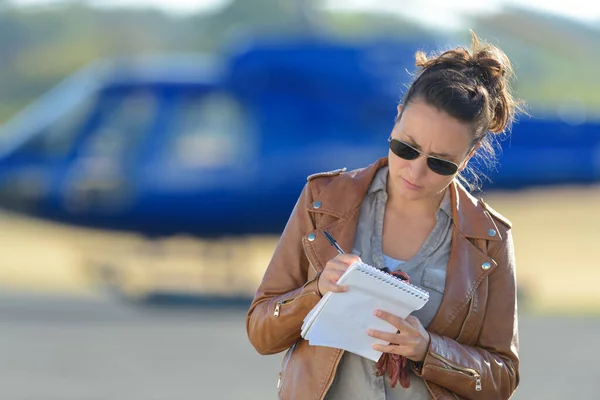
[[311, 237], [317, 205], [492, 232], [486, 265]]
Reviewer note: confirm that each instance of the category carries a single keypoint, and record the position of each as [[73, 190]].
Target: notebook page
[[342, 319], [310, 317]]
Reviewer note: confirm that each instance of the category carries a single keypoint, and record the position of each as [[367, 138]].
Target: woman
[[407, 212]]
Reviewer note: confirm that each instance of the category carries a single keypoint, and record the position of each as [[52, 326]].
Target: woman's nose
[[418, 167]]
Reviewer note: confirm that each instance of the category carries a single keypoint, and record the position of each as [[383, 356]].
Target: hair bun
[[495, 71], [493, 64], [488, 66]]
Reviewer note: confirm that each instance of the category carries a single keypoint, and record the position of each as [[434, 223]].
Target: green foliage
[[40, 46], [554, 60]]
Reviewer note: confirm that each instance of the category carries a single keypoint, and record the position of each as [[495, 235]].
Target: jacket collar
[[344, 194]]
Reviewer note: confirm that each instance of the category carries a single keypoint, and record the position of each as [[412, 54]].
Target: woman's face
[[434, 133]]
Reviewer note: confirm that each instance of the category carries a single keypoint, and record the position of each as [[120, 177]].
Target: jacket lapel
[[319, 251], [339, 208], [468, 265]]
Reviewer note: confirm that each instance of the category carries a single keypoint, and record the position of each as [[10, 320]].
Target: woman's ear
[[399, 111]]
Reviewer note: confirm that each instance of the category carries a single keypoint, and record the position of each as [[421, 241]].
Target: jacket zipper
[[341, 352], [469, 314], [285, 363], [276, 314], [466, 371], [332, 375], [288, 301]]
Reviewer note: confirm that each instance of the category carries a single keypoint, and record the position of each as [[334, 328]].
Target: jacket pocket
[[288, 302], [474, 375], [434, 279]]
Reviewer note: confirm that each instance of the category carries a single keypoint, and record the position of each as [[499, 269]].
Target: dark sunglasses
[[407, 152]]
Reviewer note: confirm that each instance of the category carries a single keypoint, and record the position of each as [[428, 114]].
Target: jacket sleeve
[[490, 369], [284, 296]]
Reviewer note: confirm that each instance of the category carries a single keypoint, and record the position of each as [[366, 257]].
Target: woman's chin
[[410, 194]]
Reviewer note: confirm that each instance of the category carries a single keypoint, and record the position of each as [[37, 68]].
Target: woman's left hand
[[411, 341]]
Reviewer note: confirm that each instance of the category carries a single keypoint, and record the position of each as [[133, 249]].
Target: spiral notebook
[[341, 320]]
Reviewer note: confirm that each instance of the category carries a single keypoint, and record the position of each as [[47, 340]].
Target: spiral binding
[[394, 281]]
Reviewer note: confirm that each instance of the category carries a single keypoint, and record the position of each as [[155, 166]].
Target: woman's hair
[[473, 87]]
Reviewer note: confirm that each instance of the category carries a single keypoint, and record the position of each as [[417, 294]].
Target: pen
[[333, 242]]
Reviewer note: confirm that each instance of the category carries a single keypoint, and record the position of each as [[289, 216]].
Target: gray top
[[391, 263], [355, 377]]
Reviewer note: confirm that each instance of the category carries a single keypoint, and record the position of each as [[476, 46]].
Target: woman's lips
[[410, 185]]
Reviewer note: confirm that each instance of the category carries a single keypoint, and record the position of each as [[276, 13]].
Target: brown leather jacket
[[473, 352]]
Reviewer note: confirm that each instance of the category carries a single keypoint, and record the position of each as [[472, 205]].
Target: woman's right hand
[[334, 269]]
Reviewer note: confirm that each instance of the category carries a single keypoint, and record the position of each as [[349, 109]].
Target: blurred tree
[[263, 17], [44, 44], [41, 45], [555, 59]]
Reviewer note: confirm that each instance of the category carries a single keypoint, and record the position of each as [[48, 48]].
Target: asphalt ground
[[97, 348], [62, 338]]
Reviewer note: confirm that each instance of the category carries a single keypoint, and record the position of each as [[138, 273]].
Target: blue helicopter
[[181, 144]]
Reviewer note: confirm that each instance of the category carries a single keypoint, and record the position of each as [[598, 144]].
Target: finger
[[331, 286], [333, 275], [396, 321], [347, 259], [334, 281], [393, 349], [337, 288], [339, 265], [336, 265], [393, 338]]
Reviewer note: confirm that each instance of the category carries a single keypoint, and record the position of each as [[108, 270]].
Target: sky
[[440, 13]]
